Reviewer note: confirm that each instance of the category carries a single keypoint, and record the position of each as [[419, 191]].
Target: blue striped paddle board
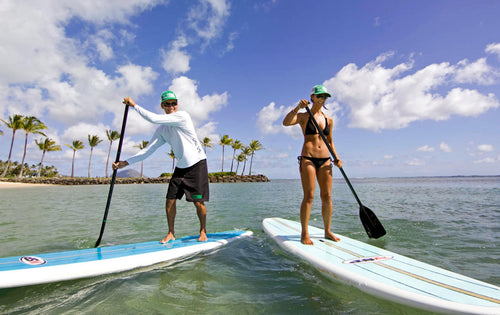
[[44, 268], [386, 274]]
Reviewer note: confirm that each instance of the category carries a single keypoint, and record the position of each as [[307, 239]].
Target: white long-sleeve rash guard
[[176, 129]]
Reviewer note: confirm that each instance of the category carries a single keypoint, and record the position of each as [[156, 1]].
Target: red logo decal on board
[[32, 260], [365, 260]]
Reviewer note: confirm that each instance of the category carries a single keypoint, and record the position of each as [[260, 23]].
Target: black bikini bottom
[[318, 162]]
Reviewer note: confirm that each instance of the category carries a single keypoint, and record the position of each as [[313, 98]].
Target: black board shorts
[[190, 181]]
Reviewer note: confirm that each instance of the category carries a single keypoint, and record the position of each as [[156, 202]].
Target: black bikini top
[[311, 130]]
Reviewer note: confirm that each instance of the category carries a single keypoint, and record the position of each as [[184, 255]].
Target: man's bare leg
[[171, 210], [201, 211]]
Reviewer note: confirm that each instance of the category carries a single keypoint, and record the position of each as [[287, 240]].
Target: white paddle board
[[386, 274], [44, 268]]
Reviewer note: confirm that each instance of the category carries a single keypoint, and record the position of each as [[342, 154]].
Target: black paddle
[[372, 225], [112, 185]]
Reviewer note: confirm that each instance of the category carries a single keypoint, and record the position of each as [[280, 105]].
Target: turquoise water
[[448, 222]]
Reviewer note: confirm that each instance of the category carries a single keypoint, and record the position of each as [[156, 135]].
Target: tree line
[[32, 125], [245, 151]]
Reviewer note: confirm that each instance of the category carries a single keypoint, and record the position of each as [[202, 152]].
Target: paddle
[[370, 222], [113, 178]]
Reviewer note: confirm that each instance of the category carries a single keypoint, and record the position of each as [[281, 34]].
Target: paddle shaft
[[113, 178], [333, 155]]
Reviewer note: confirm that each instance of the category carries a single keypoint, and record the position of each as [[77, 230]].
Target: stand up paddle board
[[44, 268], [385, 274]]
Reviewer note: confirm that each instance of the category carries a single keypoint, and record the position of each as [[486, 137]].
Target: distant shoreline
[[8, 184], [68, 181]]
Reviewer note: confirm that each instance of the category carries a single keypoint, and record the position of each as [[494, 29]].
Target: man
[[190, 176]]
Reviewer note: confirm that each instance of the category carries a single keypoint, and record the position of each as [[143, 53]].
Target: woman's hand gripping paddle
[[111, 186], [370, 222]]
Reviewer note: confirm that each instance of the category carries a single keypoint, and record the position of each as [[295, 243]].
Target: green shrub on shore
[[216, 174], [28, 171], [221, 174]]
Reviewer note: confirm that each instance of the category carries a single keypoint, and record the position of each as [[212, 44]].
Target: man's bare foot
[[168, 238], [306, 240], [329, 235], [203, 237]]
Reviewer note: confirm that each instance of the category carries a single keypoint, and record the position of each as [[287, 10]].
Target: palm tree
[[246, 151], [224, 140], [240, 158], [48, 145], [77, 145], [255, 145], [236, 146], [141, 146], [15, 123], [172, 156], [33, 125], [112, 136], [93, 142], [206, 143]]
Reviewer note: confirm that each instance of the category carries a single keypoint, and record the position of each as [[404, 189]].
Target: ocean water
[[453, 223]]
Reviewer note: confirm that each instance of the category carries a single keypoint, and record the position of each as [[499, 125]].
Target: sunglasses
[[322, 96], [168, 104]]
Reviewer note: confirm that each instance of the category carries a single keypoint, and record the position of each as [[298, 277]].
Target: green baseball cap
[[168, 95], [320, 89]]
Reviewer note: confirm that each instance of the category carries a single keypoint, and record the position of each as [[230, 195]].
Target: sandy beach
[[6, 185]]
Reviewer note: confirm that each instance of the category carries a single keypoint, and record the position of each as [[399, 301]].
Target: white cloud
[[270, 117], [135, 79], [204, 21], [269, 121], [426, 148], [415, 162], [478, 72], [176, 60], [90, 92], [485, 160], [208, 18], [230, 44], [101, 41], [208, 130], [445, 148], [485, 147], [99, 12], [493, 48], [42, 70], [198, 107], [82, 130], [382, 98]]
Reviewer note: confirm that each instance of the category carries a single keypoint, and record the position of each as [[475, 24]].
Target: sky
[[414, 84]]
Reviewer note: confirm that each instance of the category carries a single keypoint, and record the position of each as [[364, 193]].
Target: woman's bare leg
[[325, 184], [308, 178]]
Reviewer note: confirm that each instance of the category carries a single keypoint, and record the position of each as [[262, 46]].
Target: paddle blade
[[372, 225]]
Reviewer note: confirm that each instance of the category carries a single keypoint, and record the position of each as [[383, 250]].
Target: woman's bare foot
[[329, 235], [306, 240], [168, 238], [203, 236]]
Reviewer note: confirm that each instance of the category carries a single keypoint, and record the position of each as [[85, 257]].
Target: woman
[[315, 162]]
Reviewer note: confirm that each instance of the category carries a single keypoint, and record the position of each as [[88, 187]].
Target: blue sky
[[414, 83]]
